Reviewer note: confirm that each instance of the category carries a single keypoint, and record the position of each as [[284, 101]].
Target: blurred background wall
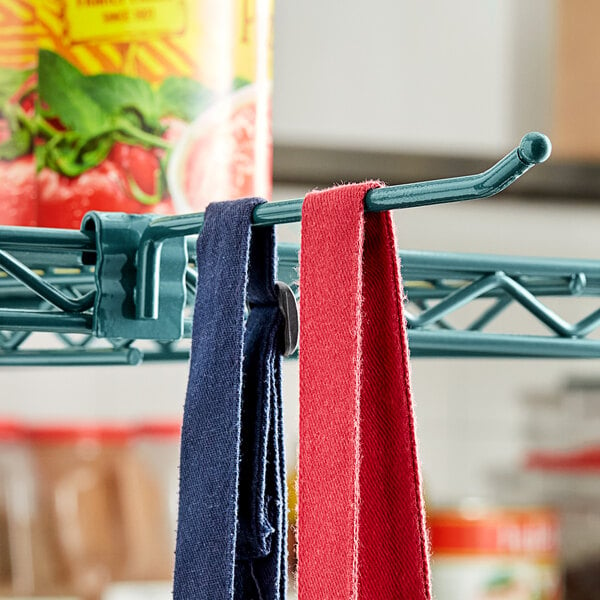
[[468, 77]]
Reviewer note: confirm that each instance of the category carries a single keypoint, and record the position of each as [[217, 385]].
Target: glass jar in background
[[152, 490], [292, 488], [18, 573], [107, 505], [148, 487], [157, 449], [139, 591], [82, 521], [486, 553], [569, 480], [561, 468]]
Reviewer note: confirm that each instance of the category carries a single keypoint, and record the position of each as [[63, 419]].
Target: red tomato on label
[[140, 164], [18, 196], [63, 201]]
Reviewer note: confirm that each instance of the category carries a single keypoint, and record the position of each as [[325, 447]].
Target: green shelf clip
[[117, 237]]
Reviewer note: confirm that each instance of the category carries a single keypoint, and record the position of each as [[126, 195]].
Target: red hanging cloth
[[360, 515]]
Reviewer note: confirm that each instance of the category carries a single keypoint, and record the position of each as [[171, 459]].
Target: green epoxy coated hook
[[72, 358], [30, 320], [533, 149], [36, 239]]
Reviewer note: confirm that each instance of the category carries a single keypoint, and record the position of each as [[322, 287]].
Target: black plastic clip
[[289, 309]]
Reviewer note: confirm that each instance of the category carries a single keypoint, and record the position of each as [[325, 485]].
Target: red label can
[[138, 106]]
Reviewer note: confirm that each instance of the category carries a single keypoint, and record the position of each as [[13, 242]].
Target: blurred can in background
[[136, 106], [18, 573], [495, 554], [104, 498], [18, 61]]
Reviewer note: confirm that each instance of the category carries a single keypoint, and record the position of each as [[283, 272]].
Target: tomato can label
[[132, 105], [501, 554], [18, 57]]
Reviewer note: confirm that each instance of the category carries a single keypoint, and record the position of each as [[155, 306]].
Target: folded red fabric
[[360, 515]]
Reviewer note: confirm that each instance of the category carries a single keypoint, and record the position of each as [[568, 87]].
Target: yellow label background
[[213, 41], [19, 33], [123, 20]]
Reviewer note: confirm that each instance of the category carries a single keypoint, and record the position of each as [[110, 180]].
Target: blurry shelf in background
[[316, 165]]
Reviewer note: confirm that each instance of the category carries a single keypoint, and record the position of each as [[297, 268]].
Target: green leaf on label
[[63, 87], [240, 82], [41, 157], [182, 97], [10, 82], [21, 133], [97, 110], [72, 155], [118, 94], [18, 145]]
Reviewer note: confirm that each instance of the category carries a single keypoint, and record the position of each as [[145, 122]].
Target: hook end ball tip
[[134, 357], [535, 148]]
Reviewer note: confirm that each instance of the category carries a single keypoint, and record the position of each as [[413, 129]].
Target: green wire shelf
[[121, 290]]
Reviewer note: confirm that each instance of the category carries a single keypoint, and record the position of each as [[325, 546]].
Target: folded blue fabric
[[231, 535]]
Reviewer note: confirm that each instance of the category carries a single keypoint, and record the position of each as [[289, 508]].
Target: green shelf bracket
[[436, 285], [117, 237]]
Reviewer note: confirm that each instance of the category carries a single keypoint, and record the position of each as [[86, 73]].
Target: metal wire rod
[[72, 358], [45, 239], [29, 320], [491, 313], [420, 264], [461, 344], [501, 281], [9, 285], [42, 288], [12, 342], [473, 344], [533, 149]]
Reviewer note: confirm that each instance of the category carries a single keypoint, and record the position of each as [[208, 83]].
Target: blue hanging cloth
[[231, 536]]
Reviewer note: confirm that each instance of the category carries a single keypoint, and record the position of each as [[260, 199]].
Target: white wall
[[468, 75]]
